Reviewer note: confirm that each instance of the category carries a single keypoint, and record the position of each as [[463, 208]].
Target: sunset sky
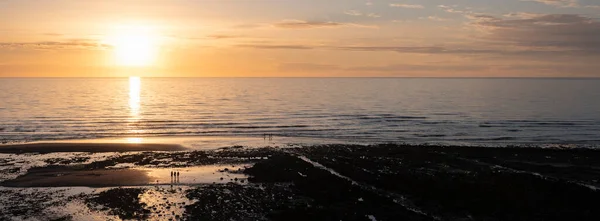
[[297, 38]]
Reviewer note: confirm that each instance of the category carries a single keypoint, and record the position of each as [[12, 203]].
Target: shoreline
[[187, 142], [182, 144], [87, 147]]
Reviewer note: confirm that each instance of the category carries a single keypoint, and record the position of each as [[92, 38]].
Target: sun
[[134, 46]]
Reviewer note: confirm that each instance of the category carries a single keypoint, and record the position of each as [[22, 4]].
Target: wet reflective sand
[[198, 174], [68, 176], [87, 147]]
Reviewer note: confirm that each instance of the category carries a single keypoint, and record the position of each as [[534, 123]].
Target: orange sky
[[434, 38]]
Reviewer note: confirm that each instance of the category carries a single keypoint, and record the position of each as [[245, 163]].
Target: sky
[[300, 38]]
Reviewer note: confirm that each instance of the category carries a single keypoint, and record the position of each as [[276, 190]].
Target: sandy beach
[[323, 182]]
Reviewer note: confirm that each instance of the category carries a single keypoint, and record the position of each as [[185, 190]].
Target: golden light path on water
[[134, 140], [135, 86]]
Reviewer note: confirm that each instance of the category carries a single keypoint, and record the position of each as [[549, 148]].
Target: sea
[[447, 111]]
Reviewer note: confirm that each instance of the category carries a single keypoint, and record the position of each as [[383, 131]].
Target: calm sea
[[372, 110]]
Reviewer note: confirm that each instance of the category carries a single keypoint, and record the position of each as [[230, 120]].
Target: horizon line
[[405, 77]]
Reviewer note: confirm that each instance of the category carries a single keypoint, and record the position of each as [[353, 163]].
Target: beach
[[318, 182], [86, 147], [447, 110]]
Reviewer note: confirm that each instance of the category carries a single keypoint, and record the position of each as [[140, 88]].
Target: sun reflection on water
[[135, 84], [134, 140]]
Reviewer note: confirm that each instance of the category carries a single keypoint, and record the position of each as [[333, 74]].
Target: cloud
[[270, 46], [407, 6], [299, 24], [558, 3], [522, 15], [358, 13], [419, 67], [56, 45], [249, 26], [514, 69], [571, 34], [397, 49], [419, 49], [517, 34], [568, 32], [491, 47], [373, 15], [222, 36], [434, 18], [353, 13], [451, 9]]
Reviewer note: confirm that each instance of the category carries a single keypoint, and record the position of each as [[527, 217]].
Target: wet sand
[[61, 177], [348, 182], [86, 147]]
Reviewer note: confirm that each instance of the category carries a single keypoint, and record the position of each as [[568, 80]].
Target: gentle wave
[[469, 111]]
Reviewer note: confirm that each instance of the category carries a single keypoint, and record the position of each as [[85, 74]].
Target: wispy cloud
[[558, 3], [457, 50], [223, 36], [522, 15], [455, 9], [299, 24], [434, 18], [56, 45], [353, 13], [419, 67], [406, 6], [358, 13], [373, 15], [276, 46], [568, 32], [518, 35], [515, 69]]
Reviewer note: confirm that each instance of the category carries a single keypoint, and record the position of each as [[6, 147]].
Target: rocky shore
[[326, 182]]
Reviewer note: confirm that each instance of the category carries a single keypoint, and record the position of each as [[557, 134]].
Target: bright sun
[[134, 46]]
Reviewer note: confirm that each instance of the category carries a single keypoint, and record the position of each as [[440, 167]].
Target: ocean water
[[368, 110]]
